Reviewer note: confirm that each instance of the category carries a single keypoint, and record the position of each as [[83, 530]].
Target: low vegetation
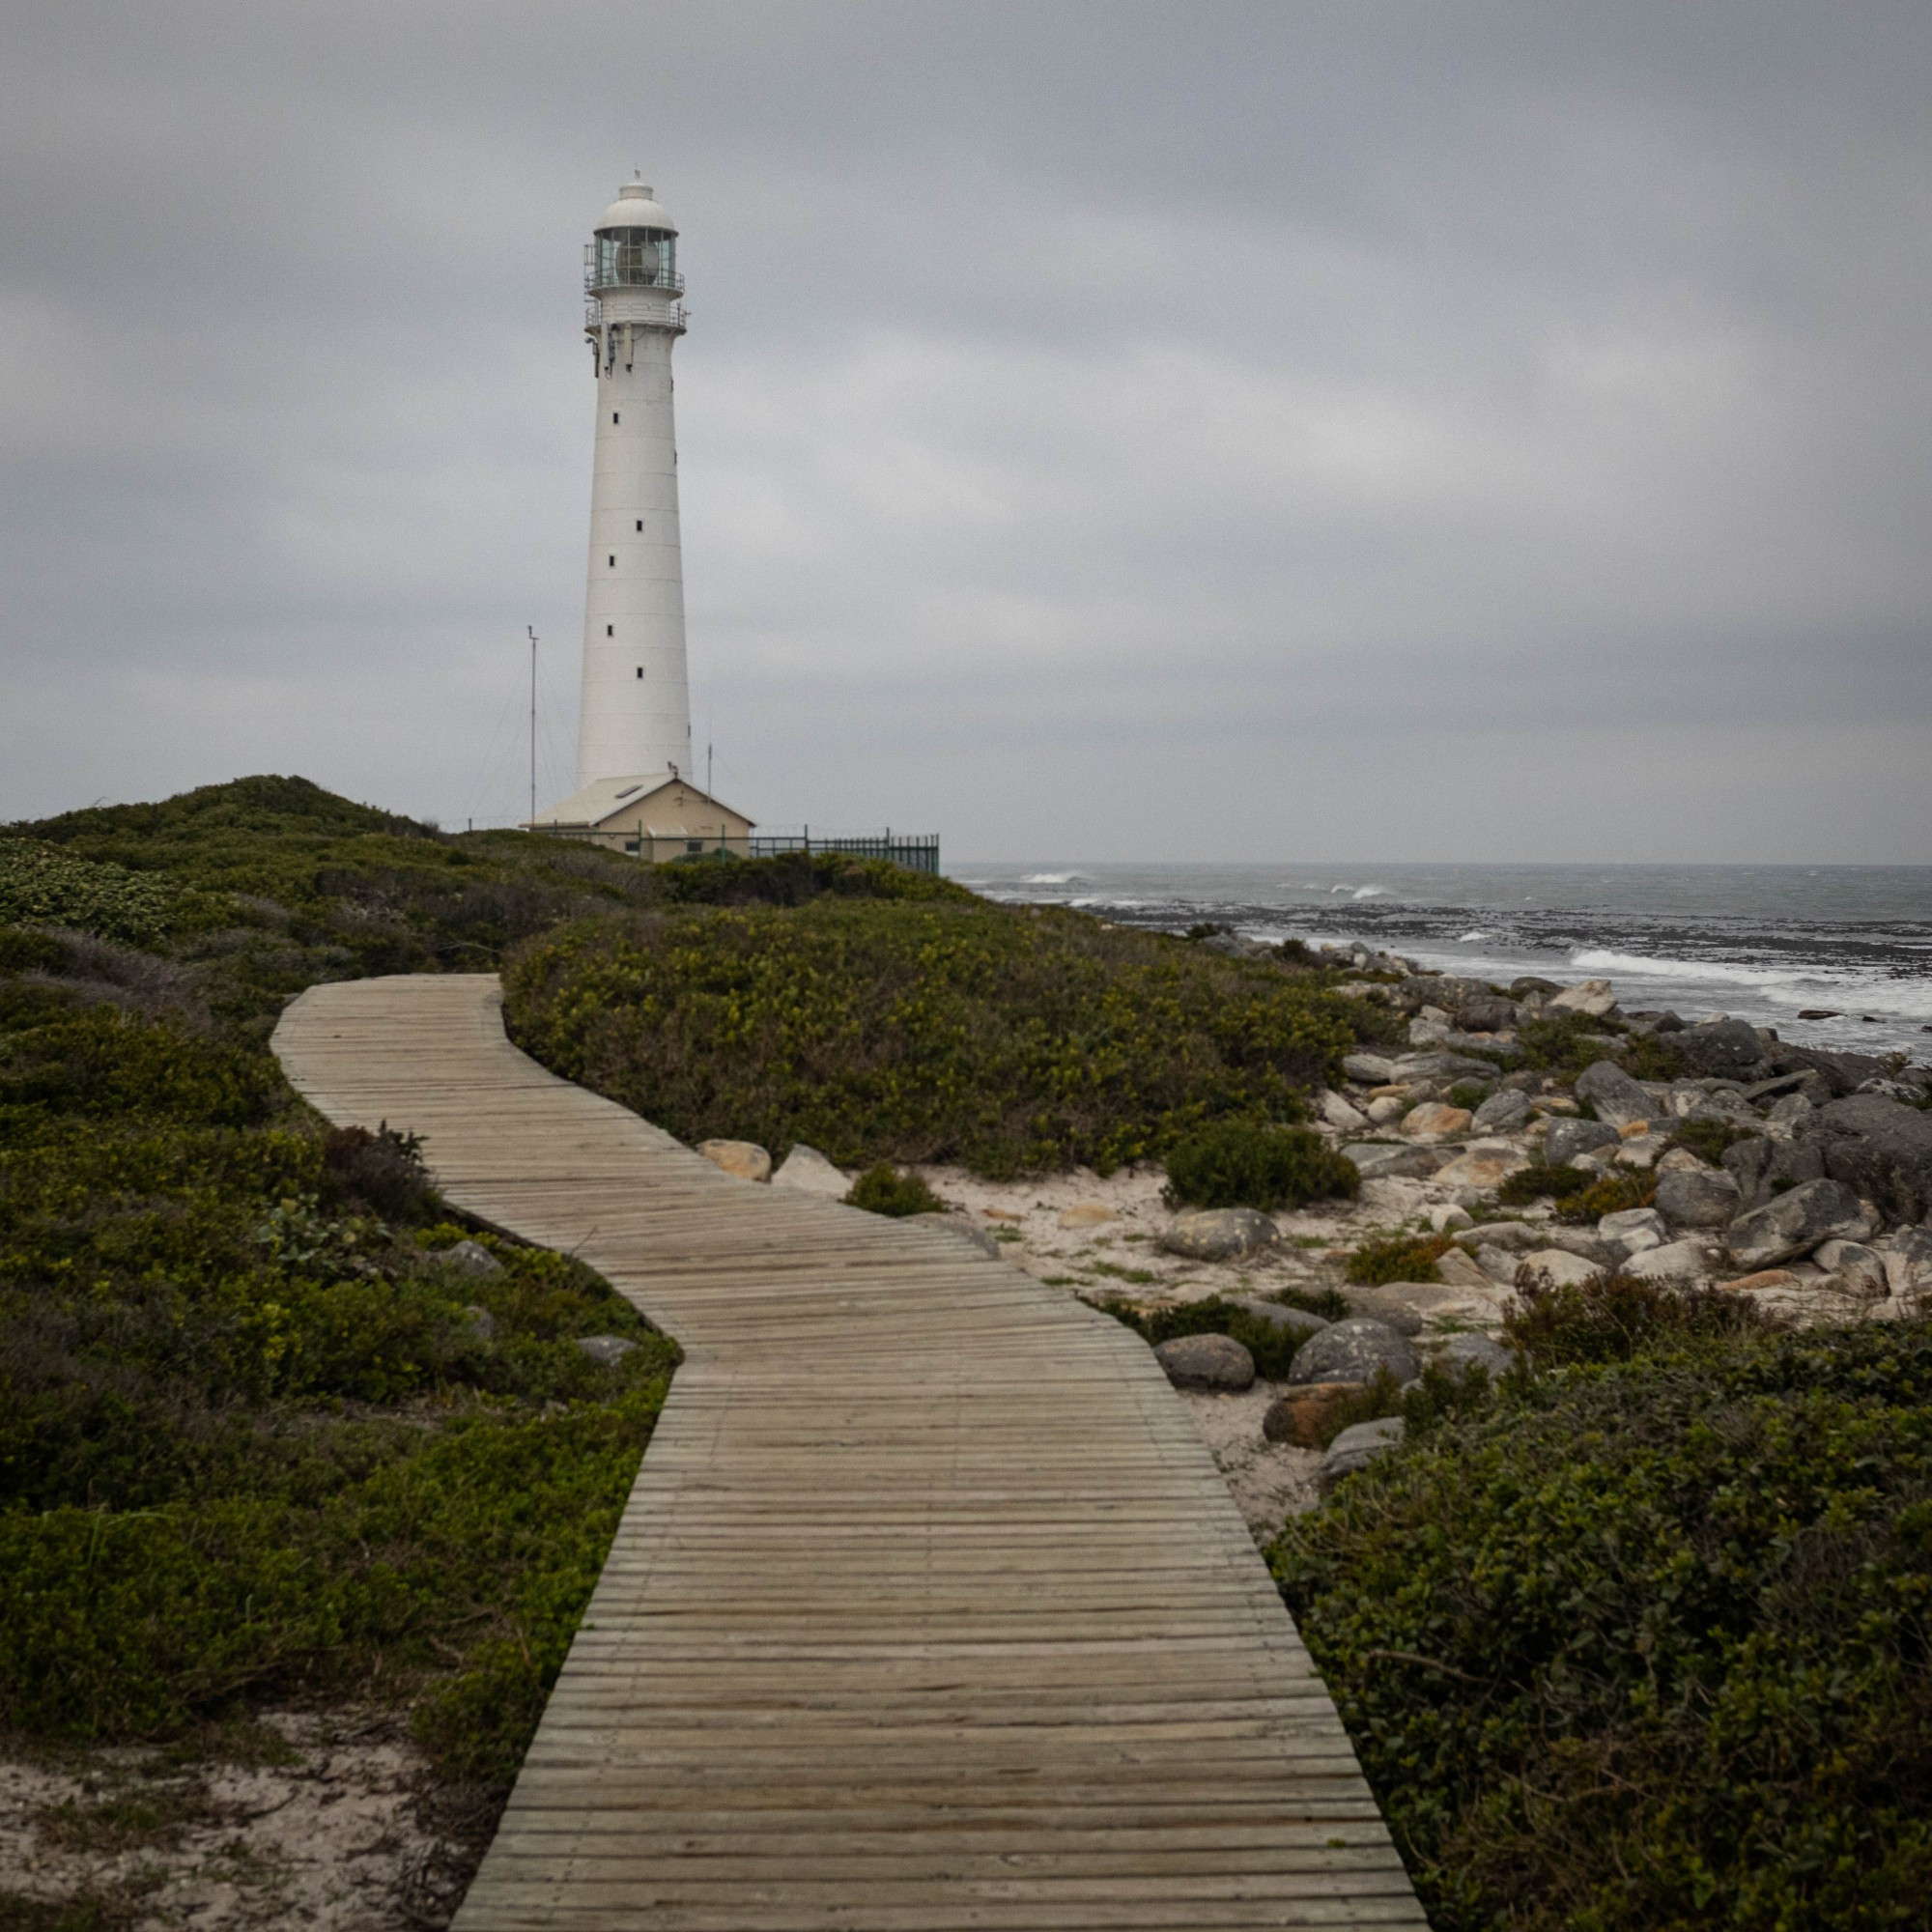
[[884, 1190], [1396, 1258], [920, 1023], [1639, 1640], [1234, 1164], [1271, 1346]]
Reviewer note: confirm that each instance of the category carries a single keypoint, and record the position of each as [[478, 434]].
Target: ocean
[[1759, 943]]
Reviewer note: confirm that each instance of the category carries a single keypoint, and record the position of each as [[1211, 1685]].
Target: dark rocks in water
[[1353, 1352], [1881, 1149], [1790, 1225], [1216, 1364], [1819, 1013]]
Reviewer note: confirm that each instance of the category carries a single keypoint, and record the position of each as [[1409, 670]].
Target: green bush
[[1273, 1348], [1709, 1140], [1398, 1257], [1617, 1318], [43, 885], [1539, 1181], [1235, 1165], [1011, 1040], [1645, 1645], [884, 1190], [1612, 1194]]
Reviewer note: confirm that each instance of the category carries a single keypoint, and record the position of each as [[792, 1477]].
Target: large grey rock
[[1615, 1095], [1675, 1261], [1566, 1139], [479, 1323], [1219, 1234], [1487, 1012], [808, 1171], [1445, 1066], [1341, 1113], [1376, 1160], [606, 1351], [1371, 1069], [1633, 1229], [1353, 1352], [1501, 1235], [1880, 1149], [1354, 1449], [1709, 1199], [1729, 1049], [1757, 1165], [1793, 1224], [1909, 1261], [1860, 1269], [1483, 1351], [746, 1160], [1841, 1073], [1593, 997], [1560, 1268], [1395, 1303], [1299, 1322], [1502, 1113], [471, 1259], [1216, 1363]]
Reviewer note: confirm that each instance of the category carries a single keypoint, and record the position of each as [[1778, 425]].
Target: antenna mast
[[532, 629]]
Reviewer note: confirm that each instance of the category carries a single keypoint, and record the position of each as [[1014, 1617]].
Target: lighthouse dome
[[635, 207]]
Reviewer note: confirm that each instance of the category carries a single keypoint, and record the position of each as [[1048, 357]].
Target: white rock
[[1565, 1270], [1591, 997], [1447, 1215], [1675, 1261], [810, 1172], [1459, 1271], [1860, 1270], [1635, 1229], [1388, 1108], [1338, 1113]]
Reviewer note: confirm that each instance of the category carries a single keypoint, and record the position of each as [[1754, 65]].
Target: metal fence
[[914, 853]]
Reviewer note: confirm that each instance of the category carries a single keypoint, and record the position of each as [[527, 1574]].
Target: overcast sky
[[1181, 431]]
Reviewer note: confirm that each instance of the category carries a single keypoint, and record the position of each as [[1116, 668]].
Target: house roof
[[603, 799]]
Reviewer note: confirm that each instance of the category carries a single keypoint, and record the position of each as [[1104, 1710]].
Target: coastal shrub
[[1445, 1392], [1539, 1181], [884, 1190], [43, 885], [1396, 1258], [1616, 1318], [1613, 1194], [1468, 1093], [1011, 1040], [1709, 1140], [1273, 1348], [1644, 1645], [1236, 1165]]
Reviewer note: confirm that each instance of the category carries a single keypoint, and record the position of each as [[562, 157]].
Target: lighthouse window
[[641, 671], [610, 630], [641, 522], [614, 416], [613, 563]]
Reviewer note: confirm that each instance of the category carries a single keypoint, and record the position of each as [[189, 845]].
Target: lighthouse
[[634, 763]]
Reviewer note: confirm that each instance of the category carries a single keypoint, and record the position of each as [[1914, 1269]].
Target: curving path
[[929, 1610]]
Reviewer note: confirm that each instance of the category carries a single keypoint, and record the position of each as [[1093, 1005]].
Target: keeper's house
[[653, 819]]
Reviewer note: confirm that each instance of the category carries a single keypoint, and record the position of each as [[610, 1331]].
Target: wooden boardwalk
[[929, 1610]]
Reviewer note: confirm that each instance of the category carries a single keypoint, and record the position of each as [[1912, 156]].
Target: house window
[[634, 845], [694, 844], [641, 671], [610, 630], [641, 522], [613, 563], [614, 416]]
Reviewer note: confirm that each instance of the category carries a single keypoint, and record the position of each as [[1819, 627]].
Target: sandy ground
[[325, 1826], [1269, 1481]]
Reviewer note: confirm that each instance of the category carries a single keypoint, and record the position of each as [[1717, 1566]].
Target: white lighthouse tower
[[634, 763]]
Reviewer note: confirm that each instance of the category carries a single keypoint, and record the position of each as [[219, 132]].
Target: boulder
[[1445, 1217], [1675, 1261], [1499, 1265], [1593, 997], [1681, 1160], [1446, 1066], [1794, 1223], [1216, 1363], [1839, 1073], [1634, 1230], [1566, 1139], [1385, 1110], [1304, 1415], [1563, 1268], [807, 1169], [1860, 1270], [1086, 1214], [1487, 1012], [1483, 1351], [1908, 1264], [1433, 1121], [606, 1351], [1299, 1322], [962, 1228], [1613, 1093], [480, 1325], [1522, 989], [1354, 1449], [1725, 1049], [1481, 1165], [470, 1258], [1371, 1069], [1394, 1303], [1880, 1149], [1709, 1199], [1340, 1112], [1459, 1270], [1643, 1151], [1353, 1352], [1503, 1113], [1512, 1235], [746, 1159], [1380, 1160], [1219, 1234]]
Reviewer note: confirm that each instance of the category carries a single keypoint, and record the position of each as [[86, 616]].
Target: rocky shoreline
[[1815, 1205]]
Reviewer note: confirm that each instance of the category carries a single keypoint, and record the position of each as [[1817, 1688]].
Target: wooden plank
[[928, 1610]]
